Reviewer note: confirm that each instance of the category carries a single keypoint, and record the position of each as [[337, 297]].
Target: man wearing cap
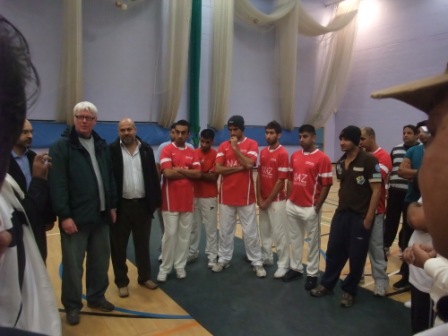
[[430, 95], [359, 193], [234, 161]]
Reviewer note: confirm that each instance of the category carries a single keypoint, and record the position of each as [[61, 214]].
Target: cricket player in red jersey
[[234, 161], [271, 199]]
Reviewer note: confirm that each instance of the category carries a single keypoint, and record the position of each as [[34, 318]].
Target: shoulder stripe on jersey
[[165, 160], [326, 175], [253, 153], [283, 169], [383, 167]]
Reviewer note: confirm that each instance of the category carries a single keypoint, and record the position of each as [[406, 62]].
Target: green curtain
[[195, 67]]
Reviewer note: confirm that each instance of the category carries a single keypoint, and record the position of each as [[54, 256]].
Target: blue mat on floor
[[236, 302]]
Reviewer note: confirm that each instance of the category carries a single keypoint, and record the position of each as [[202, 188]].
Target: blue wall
[[47, 132]]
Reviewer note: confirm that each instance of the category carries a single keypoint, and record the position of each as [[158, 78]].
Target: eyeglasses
[[87, 118]]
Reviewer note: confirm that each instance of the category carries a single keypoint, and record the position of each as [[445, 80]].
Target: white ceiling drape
[[289, 17], [70, 76], [175, 68]]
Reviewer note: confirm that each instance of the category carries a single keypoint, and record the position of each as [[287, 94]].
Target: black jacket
[[37, 202], [153, 194], [73, 182]]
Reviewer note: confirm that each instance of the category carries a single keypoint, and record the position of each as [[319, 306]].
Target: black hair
[[183, 122], [307, 128], [19, 87], [275, 126], [208, 134], [412, 127], [421, 123]]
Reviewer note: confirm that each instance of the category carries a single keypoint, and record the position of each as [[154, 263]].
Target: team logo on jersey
[[232, 163], [360, 180], [377, 168], [266, 171], [339, 169], [300, 178], [309, 163]]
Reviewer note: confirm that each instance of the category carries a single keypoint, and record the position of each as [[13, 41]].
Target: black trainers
[[347, 300], [320, 291], [311, 282], [402, 284], [103, 305], [292, 275], [72, 317]]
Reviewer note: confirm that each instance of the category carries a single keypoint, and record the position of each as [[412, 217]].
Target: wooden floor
[[167, 318]]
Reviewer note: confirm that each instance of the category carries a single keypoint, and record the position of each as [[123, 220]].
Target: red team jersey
[[177, 195], [308, 172], [385, 162], [206, 189], [237, 189], [273, 166]]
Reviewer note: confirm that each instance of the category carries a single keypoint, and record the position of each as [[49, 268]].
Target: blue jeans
[[93, 241]]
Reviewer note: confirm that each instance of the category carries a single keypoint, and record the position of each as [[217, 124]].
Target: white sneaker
[[379, 291], [260, 271], [280, 272], [180, 273], [220, 266], [408, 304], [192, 257], [211, 263], [161, 277]]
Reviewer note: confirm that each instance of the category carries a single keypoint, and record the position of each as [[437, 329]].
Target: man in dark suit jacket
[[138, 187], [30, 171]]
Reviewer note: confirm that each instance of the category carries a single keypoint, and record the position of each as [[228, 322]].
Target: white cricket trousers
[[301, 221], [376, 252], [175, 240], [205, 212], [273, 226], [248, 219]]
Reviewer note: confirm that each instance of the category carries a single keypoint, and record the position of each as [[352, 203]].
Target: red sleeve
[[165, 158]]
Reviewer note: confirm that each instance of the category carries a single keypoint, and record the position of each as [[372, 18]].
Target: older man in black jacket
[[84, 199], [139, 191]]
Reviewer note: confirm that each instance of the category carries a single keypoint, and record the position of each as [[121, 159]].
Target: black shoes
[[347, 300], [72, 317], [292, 275], [320, 291], [311, 282], [402, 284], [103, 305]]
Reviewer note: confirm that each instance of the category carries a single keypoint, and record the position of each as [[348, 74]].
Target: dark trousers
[[91, 240], [422, 312], [405, 236], [395, 204], [348, 240], [132, 217]]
